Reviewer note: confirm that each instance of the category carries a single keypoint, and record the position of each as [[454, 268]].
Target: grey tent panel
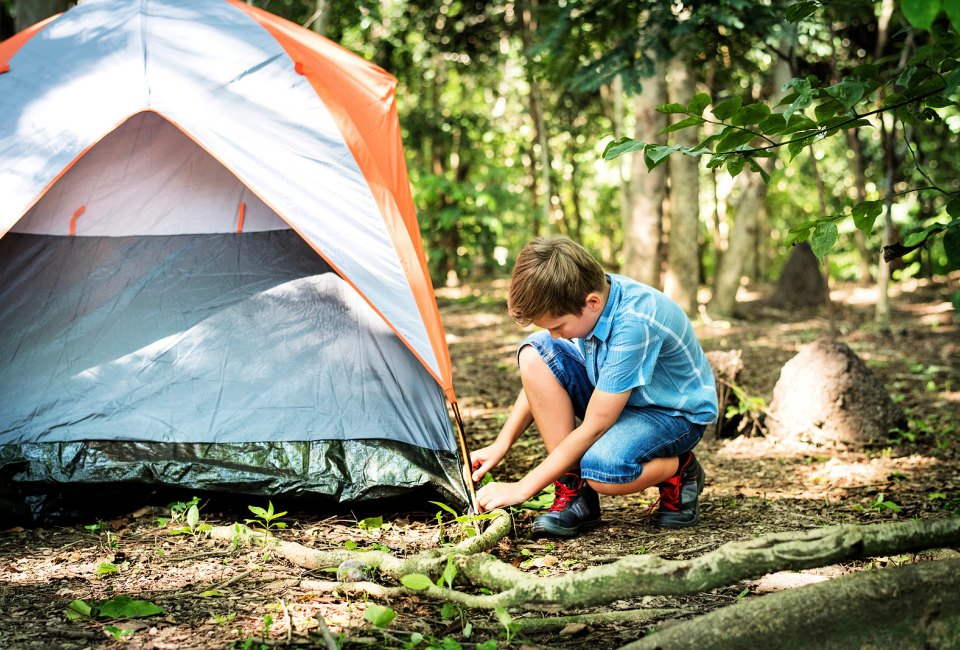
[[230, 359]]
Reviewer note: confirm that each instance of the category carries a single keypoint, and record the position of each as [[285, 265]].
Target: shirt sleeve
[[633, 349]]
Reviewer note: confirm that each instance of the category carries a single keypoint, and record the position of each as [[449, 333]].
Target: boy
[[620, 356]]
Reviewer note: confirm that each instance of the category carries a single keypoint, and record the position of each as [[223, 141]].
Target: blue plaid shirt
[[644, 342]]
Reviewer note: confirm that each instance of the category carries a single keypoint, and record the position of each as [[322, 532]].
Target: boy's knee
[[529, 360], [609, 489]]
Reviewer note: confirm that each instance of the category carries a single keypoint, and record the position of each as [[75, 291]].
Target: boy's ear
[[594, 302]]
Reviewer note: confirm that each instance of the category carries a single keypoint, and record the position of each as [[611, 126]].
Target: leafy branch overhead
[[921, 89]]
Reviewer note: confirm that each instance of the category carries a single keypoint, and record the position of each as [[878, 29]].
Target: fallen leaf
[[573, 629]]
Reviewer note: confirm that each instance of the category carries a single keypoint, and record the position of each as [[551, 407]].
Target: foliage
[[266, 519], [918, 88], [118, 607]]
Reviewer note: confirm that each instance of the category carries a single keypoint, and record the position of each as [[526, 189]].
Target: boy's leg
[[557, 390], [654, 472], [645, 448], [549, 401]]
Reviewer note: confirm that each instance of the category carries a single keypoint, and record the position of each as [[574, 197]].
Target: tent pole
[[467, 479]]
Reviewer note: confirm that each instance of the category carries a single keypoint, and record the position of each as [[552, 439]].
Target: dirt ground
[[214, 596]]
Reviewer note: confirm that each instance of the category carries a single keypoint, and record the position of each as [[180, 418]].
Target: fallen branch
[[636, 575], [431, 562], [909, 606]]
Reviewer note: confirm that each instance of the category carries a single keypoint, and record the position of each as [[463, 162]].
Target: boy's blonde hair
[[552, 277]]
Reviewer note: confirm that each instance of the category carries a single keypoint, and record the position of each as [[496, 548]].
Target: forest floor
[[213, 596]]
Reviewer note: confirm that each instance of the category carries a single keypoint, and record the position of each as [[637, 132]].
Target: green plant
[[116, 607], [879, 504], [750, 409], [178, 509], [192, 523], [266, 518], [379, 615], [465, 525]]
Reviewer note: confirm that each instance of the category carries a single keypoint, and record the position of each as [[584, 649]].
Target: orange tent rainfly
[[211, 273]]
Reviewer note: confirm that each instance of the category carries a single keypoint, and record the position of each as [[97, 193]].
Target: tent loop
[[241, 212], [4, 68], [73, 220]]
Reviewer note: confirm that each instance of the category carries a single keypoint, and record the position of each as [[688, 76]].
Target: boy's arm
[[519, 420], [602, 412]]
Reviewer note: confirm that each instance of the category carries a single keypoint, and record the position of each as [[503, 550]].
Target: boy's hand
[[500, 495], [484, 460]]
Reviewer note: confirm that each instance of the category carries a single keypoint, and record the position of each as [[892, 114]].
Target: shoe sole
[[701, 480], [552, 530]]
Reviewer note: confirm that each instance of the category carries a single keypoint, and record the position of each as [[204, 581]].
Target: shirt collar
[[602, 329]]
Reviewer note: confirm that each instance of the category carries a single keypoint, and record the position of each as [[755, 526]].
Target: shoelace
[[562, 496]]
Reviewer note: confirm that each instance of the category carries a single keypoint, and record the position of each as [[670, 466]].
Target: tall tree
[[683, 250]]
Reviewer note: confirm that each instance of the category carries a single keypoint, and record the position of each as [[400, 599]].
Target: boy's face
[[573, 326]]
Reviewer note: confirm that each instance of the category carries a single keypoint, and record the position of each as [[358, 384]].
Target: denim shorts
[[639, 434]]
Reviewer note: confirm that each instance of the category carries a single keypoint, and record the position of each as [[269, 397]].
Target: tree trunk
[[683, 252], [860, 186], [641, 228], [540, 140], [751, 202], [320, 20], [29, 12], [743, 235], [912, 606]]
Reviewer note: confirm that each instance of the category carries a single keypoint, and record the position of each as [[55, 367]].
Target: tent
[[211, 273]]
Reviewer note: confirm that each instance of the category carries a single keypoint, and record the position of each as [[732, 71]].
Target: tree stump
[[827, 394], [726, 365], [801, 282]]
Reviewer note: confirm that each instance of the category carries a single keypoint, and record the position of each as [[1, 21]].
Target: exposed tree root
[[910, 606], [632, 576]]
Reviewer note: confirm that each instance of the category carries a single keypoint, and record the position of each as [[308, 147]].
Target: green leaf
[[735, 165], [193, 517], [865, 214], [952, 7], [416, 581], [919, 238], [727, 108], [449, 572], [699, 102], [106, 567], [848, 92], [655, 155], [797, 12], [951, 246], [370, 523], [622, 146], [952, 81], [671, 108], [734, 137], [772, 124], [758, 168], [118, 632], [796, 146], [80, 607], [823, 238], [379, 615], [126, 607], [448, 611], [920, 13], [682, 124], [259, 512], [444, 506], [750, 114], [953, 208]]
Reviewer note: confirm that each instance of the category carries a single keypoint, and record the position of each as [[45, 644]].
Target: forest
[[686, 145], [787, 172]]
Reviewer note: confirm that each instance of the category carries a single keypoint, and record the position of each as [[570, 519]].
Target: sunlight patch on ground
[[743, 447], [837, 472]]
